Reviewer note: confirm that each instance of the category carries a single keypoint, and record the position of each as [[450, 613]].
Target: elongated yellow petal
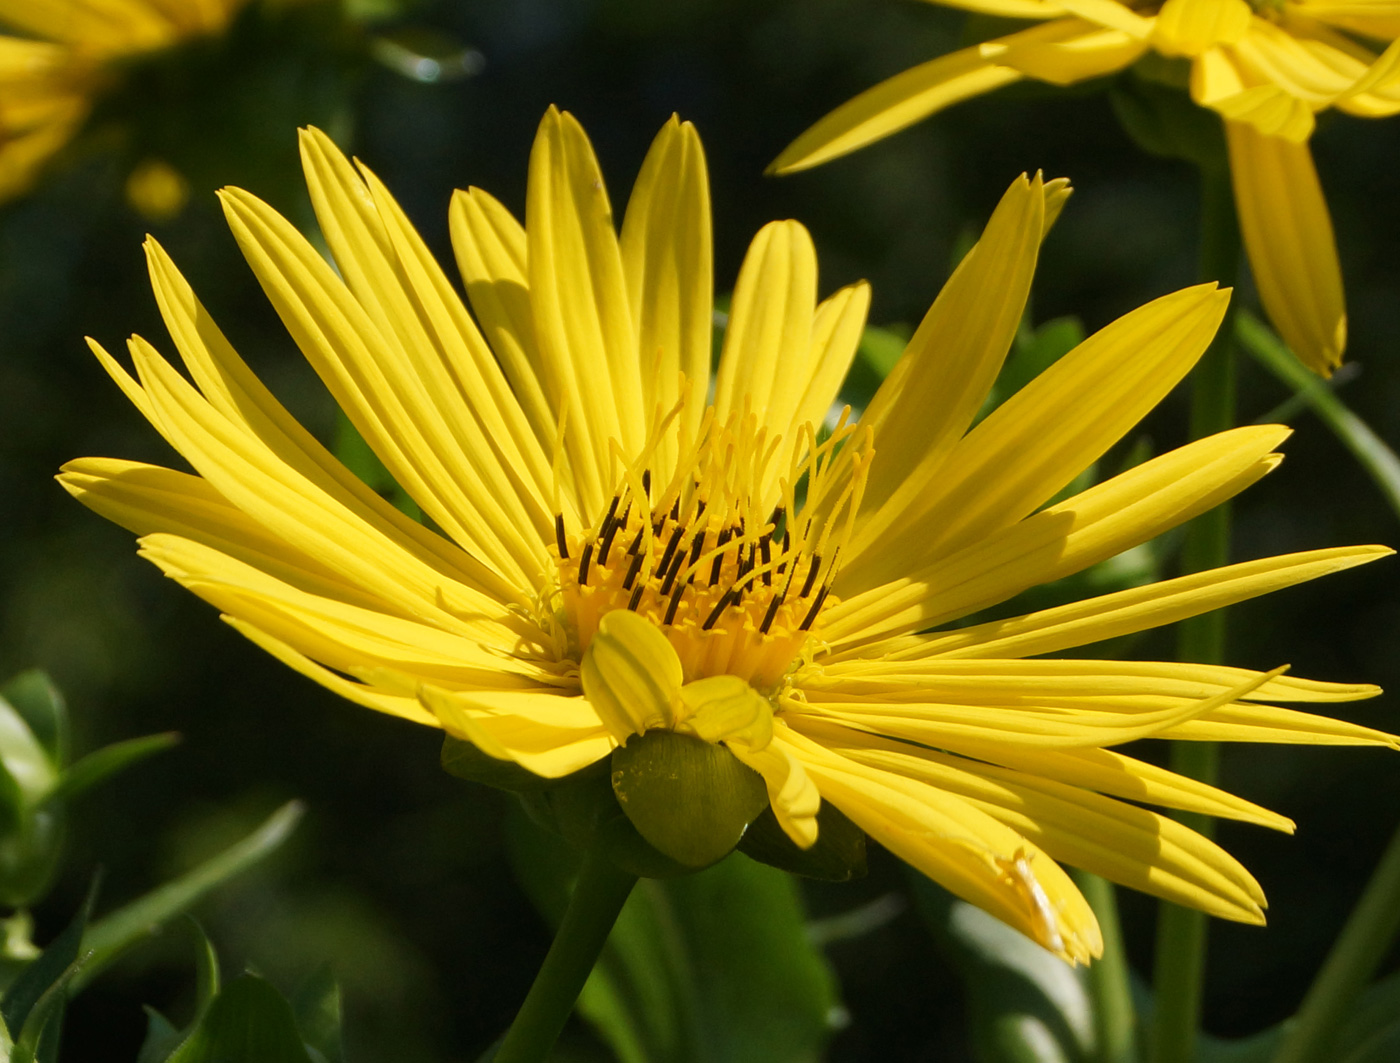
[[490, 249], [1090, 55], [1189, 27], [582, 312], [1094, 525], [1042, 437], [1007, 8], [669, 262], [1288, 237], [836, 334], [514, 727], [1126, 612], [960, 847], [1129, 845], [935, 389], [764, 365], [894, 105], [792, 794], [1219, 82]]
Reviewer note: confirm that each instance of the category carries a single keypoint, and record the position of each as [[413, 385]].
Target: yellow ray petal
[[1042, 437], [349, 638], [1288, 237], [292, 508], [1125, 612], [582, 312], [792, 794], [1007, 8], [361, 694], [1132, 846], [1306, 70], [935, 389], [912, 96], [836, 334], [1091, 55], [514, 727], [958, 846], [1112, 14], [1218, 82], [1189, 27], [763, 367], [490, 249], [238, 395], [375, 384], [1066, 538], [669, 264]]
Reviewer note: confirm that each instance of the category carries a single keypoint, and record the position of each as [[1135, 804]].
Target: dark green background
[[398, 877]]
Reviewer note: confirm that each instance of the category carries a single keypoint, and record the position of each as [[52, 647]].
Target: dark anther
[[583, 564], [816, 608], [631, 550], [766, 551], [696, 546], [608, 534], [719, 557], [559, 536], [636, 596], [724, 601], [632, 570], [669, 574], [646, 483], [670, 549], [811, 575], [768, 617], [607, 520], [676, 509], [674, 604]]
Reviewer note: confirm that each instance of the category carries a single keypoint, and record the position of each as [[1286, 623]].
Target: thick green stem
[[1115, 1022], [598, 897], [1350, 965], [1181, 932]]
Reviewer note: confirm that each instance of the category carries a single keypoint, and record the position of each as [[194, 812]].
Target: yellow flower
[[50, 77], [609, 554], [1266, 66]]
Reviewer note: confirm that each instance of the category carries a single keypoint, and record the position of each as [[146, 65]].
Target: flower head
[[620, 568], [50, 77], [1265, 66]]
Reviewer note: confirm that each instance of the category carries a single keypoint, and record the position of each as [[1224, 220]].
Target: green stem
[[1115, 1022], [598, 897], [1181, 932], [1349, 967]]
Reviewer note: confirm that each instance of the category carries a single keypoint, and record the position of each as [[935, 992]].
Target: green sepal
[[837, 856], [248, 1022], [1162, 119], [586, 813], [33, 695], [689, 798]]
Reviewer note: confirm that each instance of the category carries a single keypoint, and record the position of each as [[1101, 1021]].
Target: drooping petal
[[1219, 82], [547, 734], [1189, 27], [1288, 236]]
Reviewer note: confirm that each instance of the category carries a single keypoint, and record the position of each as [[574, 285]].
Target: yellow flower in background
[[50, 77], [1265, 66], [611, 554]]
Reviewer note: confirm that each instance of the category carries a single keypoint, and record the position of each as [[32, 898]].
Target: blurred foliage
[[402, 880]]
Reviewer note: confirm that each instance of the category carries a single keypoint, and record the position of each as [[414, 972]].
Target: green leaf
[[689, 798], [357, 456], [1025, 1005], [1379, 461], [34, 696], [1034, 351], [838, 855], [316, 1005], [162, 1038], [46, 971], [112, 935], [249, 1022], [96, 767]]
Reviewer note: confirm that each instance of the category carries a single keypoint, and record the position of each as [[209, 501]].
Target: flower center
[[732, 562]]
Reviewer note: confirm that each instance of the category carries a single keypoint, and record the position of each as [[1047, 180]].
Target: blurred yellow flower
[[50, 77], [1265, 66], [610, 554]]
